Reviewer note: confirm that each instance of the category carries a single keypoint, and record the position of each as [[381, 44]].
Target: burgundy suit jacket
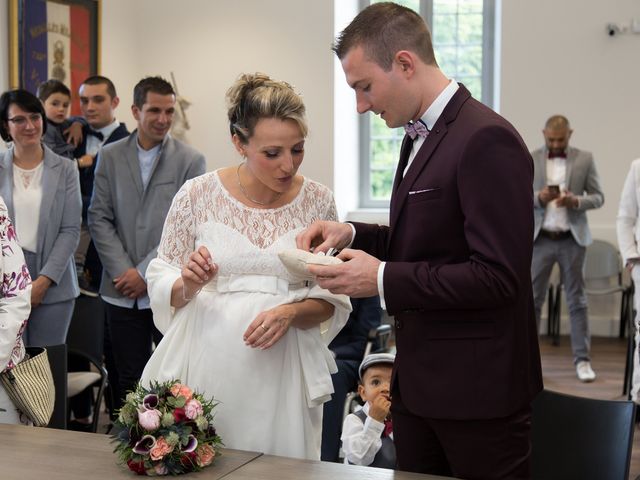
[[458, 273]]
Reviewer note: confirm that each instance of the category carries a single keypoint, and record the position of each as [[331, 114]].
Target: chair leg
[[631, 346], [557, 306], [628, 368], [623, 314], [551, 300]]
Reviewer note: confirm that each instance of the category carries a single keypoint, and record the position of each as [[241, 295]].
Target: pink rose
[[160, 449], [179, 390], [149, 419], [206, 453], [193, 409]]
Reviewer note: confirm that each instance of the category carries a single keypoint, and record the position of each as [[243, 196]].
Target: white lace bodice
[[241, 239]]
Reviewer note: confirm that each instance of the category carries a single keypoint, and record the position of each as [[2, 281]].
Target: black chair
[[585, 438], [85, 340], [57, 355]]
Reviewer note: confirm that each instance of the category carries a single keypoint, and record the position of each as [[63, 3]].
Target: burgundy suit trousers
[[486, 449]]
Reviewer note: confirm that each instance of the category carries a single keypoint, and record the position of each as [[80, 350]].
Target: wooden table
[[269, 467], [29, 453]]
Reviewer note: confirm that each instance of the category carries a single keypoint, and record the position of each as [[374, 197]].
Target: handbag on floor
[[30, 386]]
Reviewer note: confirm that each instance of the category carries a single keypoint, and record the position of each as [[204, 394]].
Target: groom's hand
[[322, 235], [356, 277]]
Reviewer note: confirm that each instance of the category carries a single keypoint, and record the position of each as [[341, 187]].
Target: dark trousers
[[112, 394], [487, 449], [132, 335], [81, 403], [344, 381]]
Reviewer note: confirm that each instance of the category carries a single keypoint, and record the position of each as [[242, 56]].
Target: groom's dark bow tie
[[96, 134], [415, 129]]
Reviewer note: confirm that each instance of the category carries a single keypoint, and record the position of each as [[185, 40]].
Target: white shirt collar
[[151, 151], [107, 130], [434, 111]]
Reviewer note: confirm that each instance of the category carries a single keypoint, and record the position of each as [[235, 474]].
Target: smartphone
[[554, 189]]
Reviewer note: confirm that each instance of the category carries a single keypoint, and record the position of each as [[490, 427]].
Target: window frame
[[488, 82]]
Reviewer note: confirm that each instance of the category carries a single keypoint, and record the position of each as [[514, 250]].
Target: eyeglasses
[[21, 121]]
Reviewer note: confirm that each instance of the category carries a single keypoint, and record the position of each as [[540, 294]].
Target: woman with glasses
[[42, 193]]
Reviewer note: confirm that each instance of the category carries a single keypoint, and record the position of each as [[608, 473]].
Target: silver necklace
[[248, 197]]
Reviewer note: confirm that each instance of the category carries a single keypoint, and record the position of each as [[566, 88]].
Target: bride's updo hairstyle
[[255, 96]]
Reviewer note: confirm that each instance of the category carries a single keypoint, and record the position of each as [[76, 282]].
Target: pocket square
[[425, 190]]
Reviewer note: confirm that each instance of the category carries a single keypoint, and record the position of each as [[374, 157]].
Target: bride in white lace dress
[[236, 325]]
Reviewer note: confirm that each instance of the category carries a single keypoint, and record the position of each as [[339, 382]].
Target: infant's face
[[56, 107], [376, 381]]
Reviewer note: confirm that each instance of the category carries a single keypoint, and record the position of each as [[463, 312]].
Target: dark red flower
[[179, 415], [188, 461], [137, 467]]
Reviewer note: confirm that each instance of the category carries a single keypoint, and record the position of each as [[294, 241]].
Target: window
[[463, 40]]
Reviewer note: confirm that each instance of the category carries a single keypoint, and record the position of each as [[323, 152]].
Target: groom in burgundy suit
[[453, 267]]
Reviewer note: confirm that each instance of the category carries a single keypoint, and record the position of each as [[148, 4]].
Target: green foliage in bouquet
[[166, 429]]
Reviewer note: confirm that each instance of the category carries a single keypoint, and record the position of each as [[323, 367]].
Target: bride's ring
[[263, 327]]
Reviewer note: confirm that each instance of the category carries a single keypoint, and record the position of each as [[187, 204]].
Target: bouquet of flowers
[[166, 429]]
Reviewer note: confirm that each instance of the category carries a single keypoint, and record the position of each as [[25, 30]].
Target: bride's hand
[[269, 327], [198, 271]]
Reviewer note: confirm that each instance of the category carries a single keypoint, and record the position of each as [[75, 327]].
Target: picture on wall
[[53, 39]]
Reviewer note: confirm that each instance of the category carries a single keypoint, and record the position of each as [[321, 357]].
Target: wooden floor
[[607, 360]]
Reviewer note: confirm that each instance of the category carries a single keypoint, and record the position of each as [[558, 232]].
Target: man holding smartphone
[[565, 185]]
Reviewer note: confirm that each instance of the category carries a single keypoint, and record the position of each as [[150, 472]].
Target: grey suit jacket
[[58, 223], [126, 220], [582, 180]]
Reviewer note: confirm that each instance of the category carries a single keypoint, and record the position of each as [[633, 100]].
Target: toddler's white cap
[[374, 359]]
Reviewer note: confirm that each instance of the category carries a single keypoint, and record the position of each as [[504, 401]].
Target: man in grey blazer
[[135, 181], [565, 186]]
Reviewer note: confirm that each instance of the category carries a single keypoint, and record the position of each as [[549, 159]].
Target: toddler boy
[[367, 437], [56, 98]]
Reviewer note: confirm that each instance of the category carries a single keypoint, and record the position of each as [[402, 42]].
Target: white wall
[[557, 58], [207, 44]]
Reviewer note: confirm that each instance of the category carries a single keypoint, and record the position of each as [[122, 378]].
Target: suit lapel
[[419, 162], [166, 149], [50, 178], [405, 151], [571, 160], [134, 164], [438, 132]]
